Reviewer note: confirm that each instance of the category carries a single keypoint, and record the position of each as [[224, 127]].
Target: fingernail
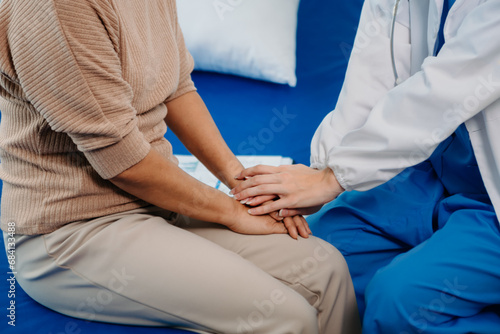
[[249, 202], [280, 213], [250, 211], [244, 201], [232, 191]]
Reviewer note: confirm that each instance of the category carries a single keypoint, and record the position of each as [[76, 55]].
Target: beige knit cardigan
[[83, 86]]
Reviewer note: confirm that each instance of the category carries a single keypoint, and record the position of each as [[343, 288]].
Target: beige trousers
[[154, 268]]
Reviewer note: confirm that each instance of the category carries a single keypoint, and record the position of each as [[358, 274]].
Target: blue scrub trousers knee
[[371, 228], [448, 284]]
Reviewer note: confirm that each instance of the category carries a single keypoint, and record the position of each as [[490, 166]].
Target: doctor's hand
[[301, 189]]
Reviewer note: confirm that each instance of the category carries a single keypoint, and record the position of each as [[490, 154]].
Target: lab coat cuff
[[318, 165], [340, 179]]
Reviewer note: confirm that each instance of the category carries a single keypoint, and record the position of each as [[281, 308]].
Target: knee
[[332, 267], [318, 262], [334, 270]]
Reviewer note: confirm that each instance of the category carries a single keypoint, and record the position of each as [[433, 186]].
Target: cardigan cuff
[[117, 158]]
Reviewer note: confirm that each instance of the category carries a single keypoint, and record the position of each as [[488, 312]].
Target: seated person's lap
[[139, 268]]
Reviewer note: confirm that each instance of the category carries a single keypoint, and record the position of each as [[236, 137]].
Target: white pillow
[[251, 38]]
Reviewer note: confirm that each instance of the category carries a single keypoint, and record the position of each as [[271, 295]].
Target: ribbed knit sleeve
[[71, 73]]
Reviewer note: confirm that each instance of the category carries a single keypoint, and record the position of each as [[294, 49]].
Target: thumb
[[276, 216]]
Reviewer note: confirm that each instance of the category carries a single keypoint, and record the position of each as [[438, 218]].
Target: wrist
[[233, 213], [333, 187], [228, 177]]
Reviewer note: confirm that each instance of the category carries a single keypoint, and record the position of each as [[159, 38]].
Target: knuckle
[[250, 182], [258, 168]]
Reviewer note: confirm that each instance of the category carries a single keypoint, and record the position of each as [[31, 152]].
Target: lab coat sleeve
[[409, 121], [369, 75]]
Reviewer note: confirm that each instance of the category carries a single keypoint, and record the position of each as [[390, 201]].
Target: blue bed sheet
[[254, 117]]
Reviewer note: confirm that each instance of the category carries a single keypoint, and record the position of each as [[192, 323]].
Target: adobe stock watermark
[[364, 35], [421, 318], [310, 264], [11, 274], [460, 112], [263, 309], [251, 146], [116, 284], [224, 6], [257, 143]]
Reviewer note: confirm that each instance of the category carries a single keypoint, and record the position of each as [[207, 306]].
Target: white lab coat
[[377, 130]]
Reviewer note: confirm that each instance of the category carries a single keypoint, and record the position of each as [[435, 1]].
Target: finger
[[246, 200], [268, 208], [255, 182], [294, 212], [256, 170], [301, 224], [276, 216], [255, 201], [261, 190], [291, 227], [305, 230], [306, 224]]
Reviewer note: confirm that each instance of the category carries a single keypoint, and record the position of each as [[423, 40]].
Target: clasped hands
[[289, 191]]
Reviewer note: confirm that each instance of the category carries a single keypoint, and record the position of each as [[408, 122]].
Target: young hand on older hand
[[300, 189]]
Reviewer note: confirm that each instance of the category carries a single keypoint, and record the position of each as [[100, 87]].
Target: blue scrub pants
[[423, 249]]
